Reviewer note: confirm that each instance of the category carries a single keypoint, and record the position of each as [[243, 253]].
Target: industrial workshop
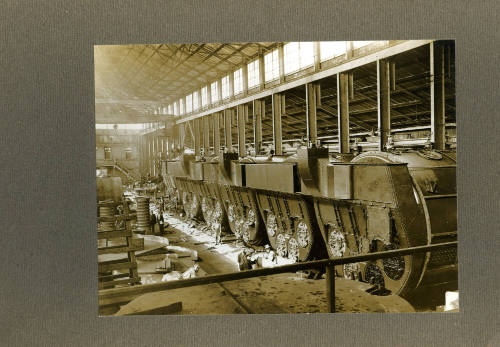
[[276, 177]]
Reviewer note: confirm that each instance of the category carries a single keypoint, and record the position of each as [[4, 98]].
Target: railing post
[[330, 288]]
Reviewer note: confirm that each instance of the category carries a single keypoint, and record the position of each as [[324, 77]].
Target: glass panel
[[271, 66], [358, 44], [253, 74], [204, 96], [238, 81], [225, 87], [189, 103], [215, 92], [331, 49], [196, 101]]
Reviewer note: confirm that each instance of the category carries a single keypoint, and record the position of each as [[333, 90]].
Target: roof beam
[[128, 102], [132, 119]]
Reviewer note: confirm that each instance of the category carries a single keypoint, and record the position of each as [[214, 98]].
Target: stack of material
[[107, 209], [143, 224], [117, 271]]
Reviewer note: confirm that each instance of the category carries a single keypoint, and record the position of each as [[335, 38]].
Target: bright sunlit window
[[182, 109], [176, 109], [358, 44], [196, 101], [169, 109], [189, 103], [331, 49], [214, 88], [204, 96], [253, 74], [225, 87], [271, 66], [238, 81], [298, 55]]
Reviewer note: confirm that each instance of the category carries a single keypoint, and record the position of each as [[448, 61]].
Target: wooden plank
[[112, 234], [119, 249], [116, 266], [112, 277], [108, 284], [169, 309], [113, 218]]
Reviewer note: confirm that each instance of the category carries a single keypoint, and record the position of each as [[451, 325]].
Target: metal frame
[[395, 49]]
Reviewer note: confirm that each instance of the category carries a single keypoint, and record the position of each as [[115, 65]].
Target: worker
[[160, 223], [153, 222]]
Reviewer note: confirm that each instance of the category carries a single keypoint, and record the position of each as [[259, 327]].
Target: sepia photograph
[[276, 177]]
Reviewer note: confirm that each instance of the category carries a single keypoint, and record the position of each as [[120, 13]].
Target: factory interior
[[276, 177]]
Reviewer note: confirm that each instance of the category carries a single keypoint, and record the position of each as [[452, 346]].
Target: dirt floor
[[187, 244]]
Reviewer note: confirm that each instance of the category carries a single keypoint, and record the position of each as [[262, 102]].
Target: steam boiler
[[313, 204]]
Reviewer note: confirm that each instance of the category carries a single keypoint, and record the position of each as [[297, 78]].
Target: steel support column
[[241, 114], [182, 136], [219, 91], [244, 75], [262, 70], [330, 288], [216, 120], [281, 62], [277, 130], [258, 109], [437, 96], [197, 137], [228, 141], [384, 102], [311, 117], [206, 135], [343, 112], [317, 56]]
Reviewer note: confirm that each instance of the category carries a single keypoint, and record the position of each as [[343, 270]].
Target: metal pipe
[[109, 296]]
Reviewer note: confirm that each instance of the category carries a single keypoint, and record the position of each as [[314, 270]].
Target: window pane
[[189, 103], [182, 108], [253, 74], [238, 81], [291, 51], [225, 87], [204, 96], [298, 55], [357, 44], [176, 109], [271, 66], [306, 54], [196, 101], [331, 49], [215, 92]]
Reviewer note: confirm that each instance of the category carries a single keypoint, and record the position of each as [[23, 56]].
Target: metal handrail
[[121, 295]]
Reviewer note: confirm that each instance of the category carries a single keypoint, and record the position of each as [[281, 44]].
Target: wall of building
[[119, 142]]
